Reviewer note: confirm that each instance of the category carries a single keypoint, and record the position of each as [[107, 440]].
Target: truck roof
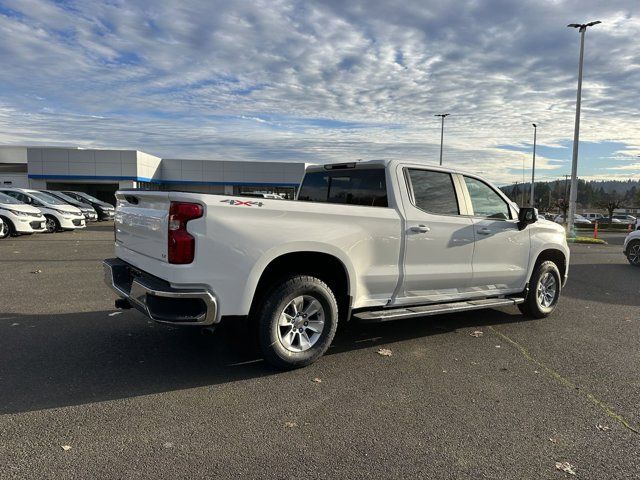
[[383, 163]]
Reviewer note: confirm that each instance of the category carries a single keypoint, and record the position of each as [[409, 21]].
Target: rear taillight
[[181, 244]]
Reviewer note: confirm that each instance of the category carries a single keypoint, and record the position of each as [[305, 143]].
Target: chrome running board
[[389, 314]]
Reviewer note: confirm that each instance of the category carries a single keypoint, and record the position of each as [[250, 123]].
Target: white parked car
[[626, 219], [376, 241], [577, 219], [631, 248], [58, 214], [19, 218]]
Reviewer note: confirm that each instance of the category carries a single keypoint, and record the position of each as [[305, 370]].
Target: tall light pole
[[523, 184], [441, 115], [533, 168], [573, 195]]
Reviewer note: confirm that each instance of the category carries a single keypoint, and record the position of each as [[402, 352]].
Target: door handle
[[420, 229], [484, 231]]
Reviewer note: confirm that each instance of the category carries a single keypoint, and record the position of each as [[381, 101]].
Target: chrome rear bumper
[[157, 299]]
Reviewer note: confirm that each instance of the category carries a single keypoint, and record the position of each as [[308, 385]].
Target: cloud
[[320, 81]]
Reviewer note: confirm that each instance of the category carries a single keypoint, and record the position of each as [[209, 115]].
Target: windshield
[[64, 197], [89, 197], [4, 198], [47, 198]]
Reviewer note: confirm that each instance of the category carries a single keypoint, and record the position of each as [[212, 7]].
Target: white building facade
[[101, 172]]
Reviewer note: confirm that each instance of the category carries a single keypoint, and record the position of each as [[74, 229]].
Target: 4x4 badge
[[241, 203]]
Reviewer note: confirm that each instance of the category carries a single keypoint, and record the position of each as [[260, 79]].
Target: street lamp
[[533, 168], [573, 195], [442, 115]]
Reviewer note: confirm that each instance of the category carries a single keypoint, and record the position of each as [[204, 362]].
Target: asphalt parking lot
[[136, 400]]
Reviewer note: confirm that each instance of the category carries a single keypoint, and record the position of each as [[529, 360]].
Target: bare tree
[[612, 201], [562, 204]]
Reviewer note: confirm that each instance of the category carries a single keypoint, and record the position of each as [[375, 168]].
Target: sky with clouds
[[321, 81]]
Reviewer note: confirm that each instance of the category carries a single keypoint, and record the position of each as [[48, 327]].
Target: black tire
[[52, 224], [633, 253], [533, 306], [272, 307], [7, 228]]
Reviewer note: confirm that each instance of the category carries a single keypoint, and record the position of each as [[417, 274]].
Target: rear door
[[501, 254], [141, 222], [438, 239]]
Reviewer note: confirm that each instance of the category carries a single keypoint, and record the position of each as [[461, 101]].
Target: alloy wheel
[[301, 323], [50, 225], [547, 290]]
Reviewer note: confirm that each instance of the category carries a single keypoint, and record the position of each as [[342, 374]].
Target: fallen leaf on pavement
[[604, 428], [66, 447], [290, 424], [476, 333], [566, 467], [113, 314], [385, 352]]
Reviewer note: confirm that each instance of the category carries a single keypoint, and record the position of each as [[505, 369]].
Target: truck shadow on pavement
[[72, 359]]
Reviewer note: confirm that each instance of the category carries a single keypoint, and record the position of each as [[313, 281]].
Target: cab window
[[366, 187], [433, 191], [485, 201]]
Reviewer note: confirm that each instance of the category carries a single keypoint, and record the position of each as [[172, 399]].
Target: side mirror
[[527, 216]]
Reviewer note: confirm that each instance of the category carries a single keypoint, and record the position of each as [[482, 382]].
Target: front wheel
[[544, 291], [5, 230], [633, 253], [52, 225], [297, 321]]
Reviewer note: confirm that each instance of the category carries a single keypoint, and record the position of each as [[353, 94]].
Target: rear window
[[433, 191], [366, 187]]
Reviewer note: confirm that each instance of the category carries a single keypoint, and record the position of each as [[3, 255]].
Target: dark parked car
[[87, 210], [105, 210]]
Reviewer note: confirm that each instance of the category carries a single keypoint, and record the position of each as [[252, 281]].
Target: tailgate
[[141, 222]]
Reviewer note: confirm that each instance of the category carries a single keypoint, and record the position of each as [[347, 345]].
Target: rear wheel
[[633, 253], [544, 291], [297, 321]]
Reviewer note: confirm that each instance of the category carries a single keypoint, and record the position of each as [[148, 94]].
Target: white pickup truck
[[373, 241]]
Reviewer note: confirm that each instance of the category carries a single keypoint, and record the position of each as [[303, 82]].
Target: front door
[[501, 255], [438, 241]]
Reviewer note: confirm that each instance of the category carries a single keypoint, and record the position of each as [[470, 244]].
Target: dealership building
[[100, 172]]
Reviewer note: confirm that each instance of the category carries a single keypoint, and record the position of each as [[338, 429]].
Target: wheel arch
[[556, 256], [326, 266]]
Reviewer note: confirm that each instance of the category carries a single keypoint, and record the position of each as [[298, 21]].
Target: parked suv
[[105, 210], [376, 241], [87, 210], [19, 218], [58, 215]]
